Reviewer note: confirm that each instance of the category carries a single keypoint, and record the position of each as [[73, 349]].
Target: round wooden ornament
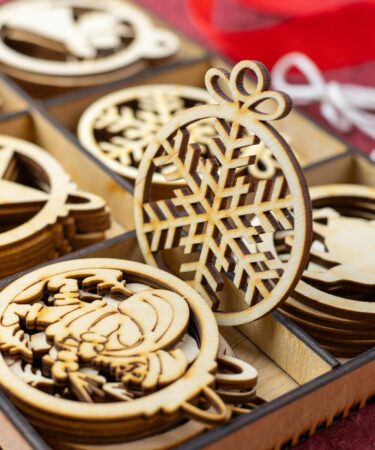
[[191, 428], [106, 345], [118, 127], [222, 220], [64, 42], [339, 278], [333, 302]]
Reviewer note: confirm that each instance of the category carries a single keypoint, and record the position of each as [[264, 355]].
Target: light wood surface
[[43, 214], [94, 317], [10, 437], [78, 41], [333, 301], [118, 127], [297, 359], [223, 218]]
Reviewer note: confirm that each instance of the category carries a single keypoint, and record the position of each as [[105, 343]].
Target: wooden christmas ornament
[[103, 350], [191, 428], [75, 42], [219, 225], [118, 127], [334, 300], [42, 213]]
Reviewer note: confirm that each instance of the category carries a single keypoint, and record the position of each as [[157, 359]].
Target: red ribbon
[[294, 7], [340, 36]]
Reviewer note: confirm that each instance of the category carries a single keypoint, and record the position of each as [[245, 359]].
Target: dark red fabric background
[[358, 431]]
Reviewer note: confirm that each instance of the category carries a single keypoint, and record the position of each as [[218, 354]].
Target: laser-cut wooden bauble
[[101, 335], [334, 300], [351, 239], [42, 213], [223, 221], [183, 432], [118, 127], [72, 42]]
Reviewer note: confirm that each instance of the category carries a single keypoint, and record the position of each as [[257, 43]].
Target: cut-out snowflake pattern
[[211, 215], [222, 219], [119, 127]]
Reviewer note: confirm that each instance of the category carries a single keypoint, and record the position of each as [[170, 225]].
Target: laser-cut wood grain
[[244, 374], [333, 301], [266, 165], [118, 127], [42, 213], [224, 218], [105, 344], [74, 41]]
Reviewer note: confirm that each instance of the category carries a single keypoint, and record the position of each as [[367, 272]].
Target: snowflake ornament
[[217, 229], [118, 127]]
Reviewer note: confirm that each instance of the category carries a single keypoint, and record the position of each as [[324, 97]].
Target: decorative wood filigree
[[110, 343], [118, 127], [266, 165], [42, 213], [77, 38], [334, 300], [224, 218]]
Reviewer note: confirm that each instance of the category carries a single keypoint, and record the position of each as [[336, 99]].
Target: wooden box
[[305, 388]]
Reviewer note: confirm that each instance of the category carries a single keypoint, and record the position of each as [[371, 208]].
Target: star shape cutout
[[16, 198]]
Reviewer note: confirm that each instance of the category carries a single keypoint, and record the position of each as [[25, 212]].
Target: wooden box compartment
[[353, 168], [305, 388], [310, 141], [189, 50], [285, 357], [11, 99], [34, 127]]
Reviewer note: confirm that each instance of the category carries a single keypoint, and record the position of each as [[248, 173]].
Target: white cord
[[342, 105]]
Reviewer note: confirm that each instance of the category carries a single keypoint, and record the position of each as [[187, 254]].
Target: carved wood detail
[[334, 300], [118, 127], [110, 344], [69, 41], [42, 213], [224, 219]]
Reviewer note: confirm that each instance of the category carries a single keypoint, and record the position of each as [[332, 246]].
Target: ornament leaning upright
[[224, 219]]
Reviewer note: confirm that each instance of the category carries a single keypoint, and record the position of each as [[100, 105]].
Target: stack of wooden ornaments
[[98, 352], [42, 213], [334, 302], [101, 351], [72, 43]]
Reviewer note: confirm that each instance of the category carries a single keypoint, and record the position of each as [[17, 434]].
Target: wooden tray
[[34, 126], [285, 357], [306, 388]]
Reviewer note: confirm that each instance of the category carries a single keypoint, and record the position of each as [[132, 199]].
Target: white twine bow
[[342, 105]]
